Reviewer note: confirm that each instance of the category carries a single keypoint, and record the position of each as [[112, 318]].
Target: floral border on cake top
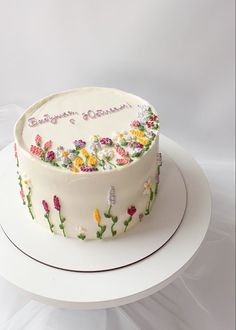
[[102, 153]]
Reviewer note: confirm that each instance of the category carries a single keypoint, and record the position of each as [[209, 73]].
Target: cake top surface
[[88, 129]]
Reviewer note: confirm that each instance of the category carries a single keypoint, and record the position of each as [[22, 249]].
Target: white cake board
[[116, 287], [136, 244]]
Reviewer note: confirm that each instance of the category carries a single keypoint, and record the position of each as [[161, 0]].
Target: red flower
[[56, 202], [153, 118], [150, 124], [38, 140], [131, 210], [106, 141], [45, 206]]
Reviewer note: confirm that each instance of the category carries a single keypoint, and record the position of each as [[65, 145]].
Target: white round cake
[[88, 161]]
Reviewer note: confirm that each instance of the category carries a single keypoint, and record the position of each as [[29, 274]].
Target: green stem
[[156, 189], [49, 222], [102, 230], [29, 204], [62, 220], [111, 163], [109, 210], [126, 222], [147, 211]]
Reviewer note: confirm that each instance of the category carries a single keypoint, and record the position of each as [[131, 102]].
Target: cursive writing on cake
[[33, 122]]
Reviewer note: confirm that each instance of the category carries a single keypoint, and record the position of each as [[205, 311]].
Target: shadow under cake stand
[[102, 274]]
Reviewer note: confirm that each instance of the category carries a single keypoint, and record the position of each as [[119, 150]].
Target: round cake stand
[[125, 285]]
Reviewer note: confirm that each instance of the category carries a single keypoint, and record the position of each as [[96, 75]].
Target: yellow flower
[[65, 153], [78, 161], [143, 141], [96, 216], [85, 153], [137, 132], [147, 186], [74, 169], [92, 161]]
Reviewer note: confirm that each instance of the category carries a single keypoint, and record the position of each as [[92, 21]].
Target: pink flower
[[122, 161], [36, 150], [121, 151], [131, 210], [135, 123], [56, 202], [38, 140], [22, 193], [47, 145], [45, 206]]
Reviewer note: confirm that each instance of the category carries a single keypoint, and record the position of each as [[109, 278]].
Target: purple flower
[[79, 143], [106, 141], [131, 210], [88, 168], [137, 145], [45, 206], [56, 202], [50, 155], [151, 134]]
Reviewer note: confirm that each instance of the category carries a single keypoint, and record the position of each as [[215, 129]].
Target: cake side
[[90, 204]]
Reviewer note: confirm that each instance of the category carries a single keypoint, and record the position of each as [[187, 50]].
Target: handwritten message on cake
[[87, 115]]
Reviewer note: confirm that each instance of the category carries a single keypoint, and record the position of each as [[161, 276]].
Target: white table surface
[[201, 298]]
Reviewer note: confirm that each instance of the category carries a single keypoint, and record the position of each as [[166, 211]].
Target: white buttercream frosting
[[89, 115]]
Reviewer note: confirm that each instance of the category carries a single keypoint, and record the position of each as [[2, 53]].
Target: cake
[[88, 162]]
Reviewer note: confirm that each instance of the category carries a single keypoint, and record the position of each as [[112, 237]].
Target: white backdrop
[[179, 55]]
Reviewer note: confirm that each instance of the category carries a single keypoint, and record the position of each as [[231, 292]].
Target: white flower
[[71, 155], [143, 116], [147, 186], [81, 230], [94, 138], [25, 180], [106, 154]]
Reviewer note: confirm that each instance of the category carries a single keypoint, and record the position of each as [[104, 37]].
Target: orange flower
[[96, 216]]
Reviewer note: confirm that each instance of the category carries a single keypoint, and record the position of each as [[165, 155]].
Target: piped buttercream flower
[[47, 145], [38, 140], [147, 186], [106, 141], [78, 161], [50, 155], [106, 154], [92, 161], [79, 144]]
